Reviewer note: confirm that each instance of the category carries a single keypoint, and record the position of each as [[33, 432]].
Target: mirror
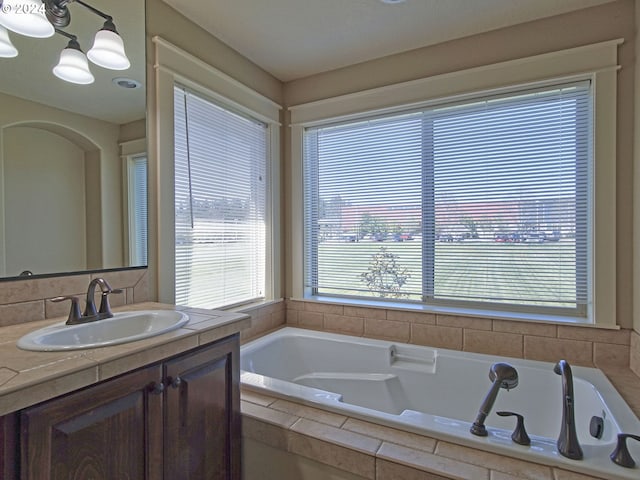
[[73, 157]]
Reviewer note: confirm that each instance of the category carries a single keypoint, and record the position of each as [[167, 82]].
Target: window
[[220, 203], [137, 178], [484, 202]]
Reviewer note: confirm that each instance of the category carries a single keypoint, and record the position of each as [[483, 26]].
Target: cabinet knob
[[157, 388], [175, 382]]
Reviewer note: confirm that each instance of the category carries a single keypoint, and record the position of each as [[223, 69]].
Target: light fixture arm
[[59, 15], [93, 9], [70, 36], [73, 39]]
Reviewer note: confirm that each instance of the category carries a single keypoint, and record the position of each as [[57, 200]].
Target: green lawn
[[471, 269], [204, 271]]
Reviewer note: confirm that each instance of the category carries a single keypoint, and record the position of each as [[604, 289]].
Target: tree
[[370, 225], [471, 225], [384, 276]]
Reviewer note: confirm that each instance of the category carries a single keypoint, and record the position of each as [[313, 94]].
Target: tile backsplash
[[535, 341], [30, 299], [635, 353]]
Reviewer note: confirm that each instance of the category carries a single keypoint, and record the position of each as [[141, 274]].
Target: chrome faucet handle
[[105, 308], [519, 435], [621, 456], [75, 316]]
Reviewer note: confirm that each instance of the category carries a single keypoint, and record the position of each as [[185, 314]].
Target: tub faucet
[[568, 444], [502, 375]]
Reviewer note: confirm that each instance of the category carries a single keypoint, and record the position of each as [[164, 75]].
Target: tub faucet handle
[[74, 313], [519, 435], [621, 455]]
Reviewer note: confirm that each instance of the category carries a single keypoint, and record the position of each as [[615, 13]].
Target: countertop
[[27, 378]]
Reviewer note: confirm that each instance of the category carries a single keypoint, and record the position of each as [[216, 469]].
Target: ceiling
[[29, 75], [297, 38]]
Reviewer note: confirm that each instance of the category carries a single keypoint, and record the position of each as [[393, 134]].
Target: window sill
[[250, 307], [464, 312]]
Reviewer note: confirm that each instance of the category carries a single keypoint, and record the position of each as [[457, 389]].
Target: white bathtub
[[437, 392]]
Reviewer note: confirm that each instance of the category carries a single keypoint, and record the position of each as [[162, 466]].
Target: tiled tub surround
[[304, 442], [579, 345], [419, 389], [616, 353], [27, 378]]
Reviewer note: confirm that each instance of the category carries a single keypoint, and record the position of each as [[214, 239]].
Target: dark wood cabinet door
[[9, 452], [202, 431], [109, 431]]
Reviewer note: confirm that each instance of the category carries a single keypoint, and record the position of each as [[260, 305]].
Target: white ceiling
[[29, 75], [296, 38]]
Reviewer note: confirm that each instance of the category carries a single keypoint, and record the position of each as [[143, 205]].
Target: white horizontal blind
[[484, 201], [220, 199], [138, 178]]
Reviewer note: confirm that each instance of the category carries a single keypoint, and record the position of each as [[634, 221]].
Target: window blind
[[139, 183], [220, 203], [485, 201]]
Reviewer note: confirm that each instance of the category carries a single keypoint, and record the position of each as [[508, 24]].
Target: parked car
[[536, 237], [402, 237]]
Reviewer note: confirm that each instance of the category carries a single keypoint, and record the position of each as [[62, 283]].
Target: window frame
[[175, 66], [597, 63], [186, 92]]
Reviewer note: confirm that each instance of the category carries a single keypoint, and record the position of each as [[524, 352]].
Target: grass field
[[207, 282], [479, 270]]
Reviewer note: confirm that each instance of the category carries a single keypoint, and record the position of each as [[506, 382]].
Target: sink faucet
[[568, 440], [90, 307], [502, 375], [91, 314]]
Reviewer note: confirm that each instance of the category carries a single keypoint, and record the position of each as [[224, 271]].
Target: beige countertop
[[27, 378]]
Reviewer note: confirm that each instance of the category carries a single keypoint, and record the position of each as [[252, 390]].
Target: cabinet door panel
[[9, 452], [202, 412], [112, 430]]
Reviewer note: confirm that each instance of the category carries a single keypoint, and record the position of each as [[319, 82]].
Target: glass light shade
[[108, 51], [7, 50], [73, 67], [26, 17]]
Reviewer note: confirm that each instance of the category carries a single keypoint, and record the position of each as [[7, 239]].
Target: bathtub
[[437, 392]]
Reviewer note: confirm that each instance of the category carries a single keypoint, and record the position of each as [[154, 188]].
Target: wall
[[98, 139], [635, 336], [46, 193], [605, 22], [164, 21]]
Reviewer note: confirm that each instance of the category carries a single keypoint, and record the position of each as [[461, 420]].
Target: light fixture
[[7, 50], [26, 17], [108, 49], [73, 65], [43, 18]]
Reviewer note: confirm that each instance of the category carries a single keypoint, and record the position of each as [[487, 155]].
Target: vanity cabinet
[[179, 419]]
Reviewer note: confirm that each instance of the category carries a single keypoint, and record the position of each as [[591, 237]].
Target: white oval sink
[[123, 327]]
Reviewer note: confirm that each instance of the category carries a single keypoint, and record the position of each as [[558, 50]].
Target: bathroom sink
[[123, 327]]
